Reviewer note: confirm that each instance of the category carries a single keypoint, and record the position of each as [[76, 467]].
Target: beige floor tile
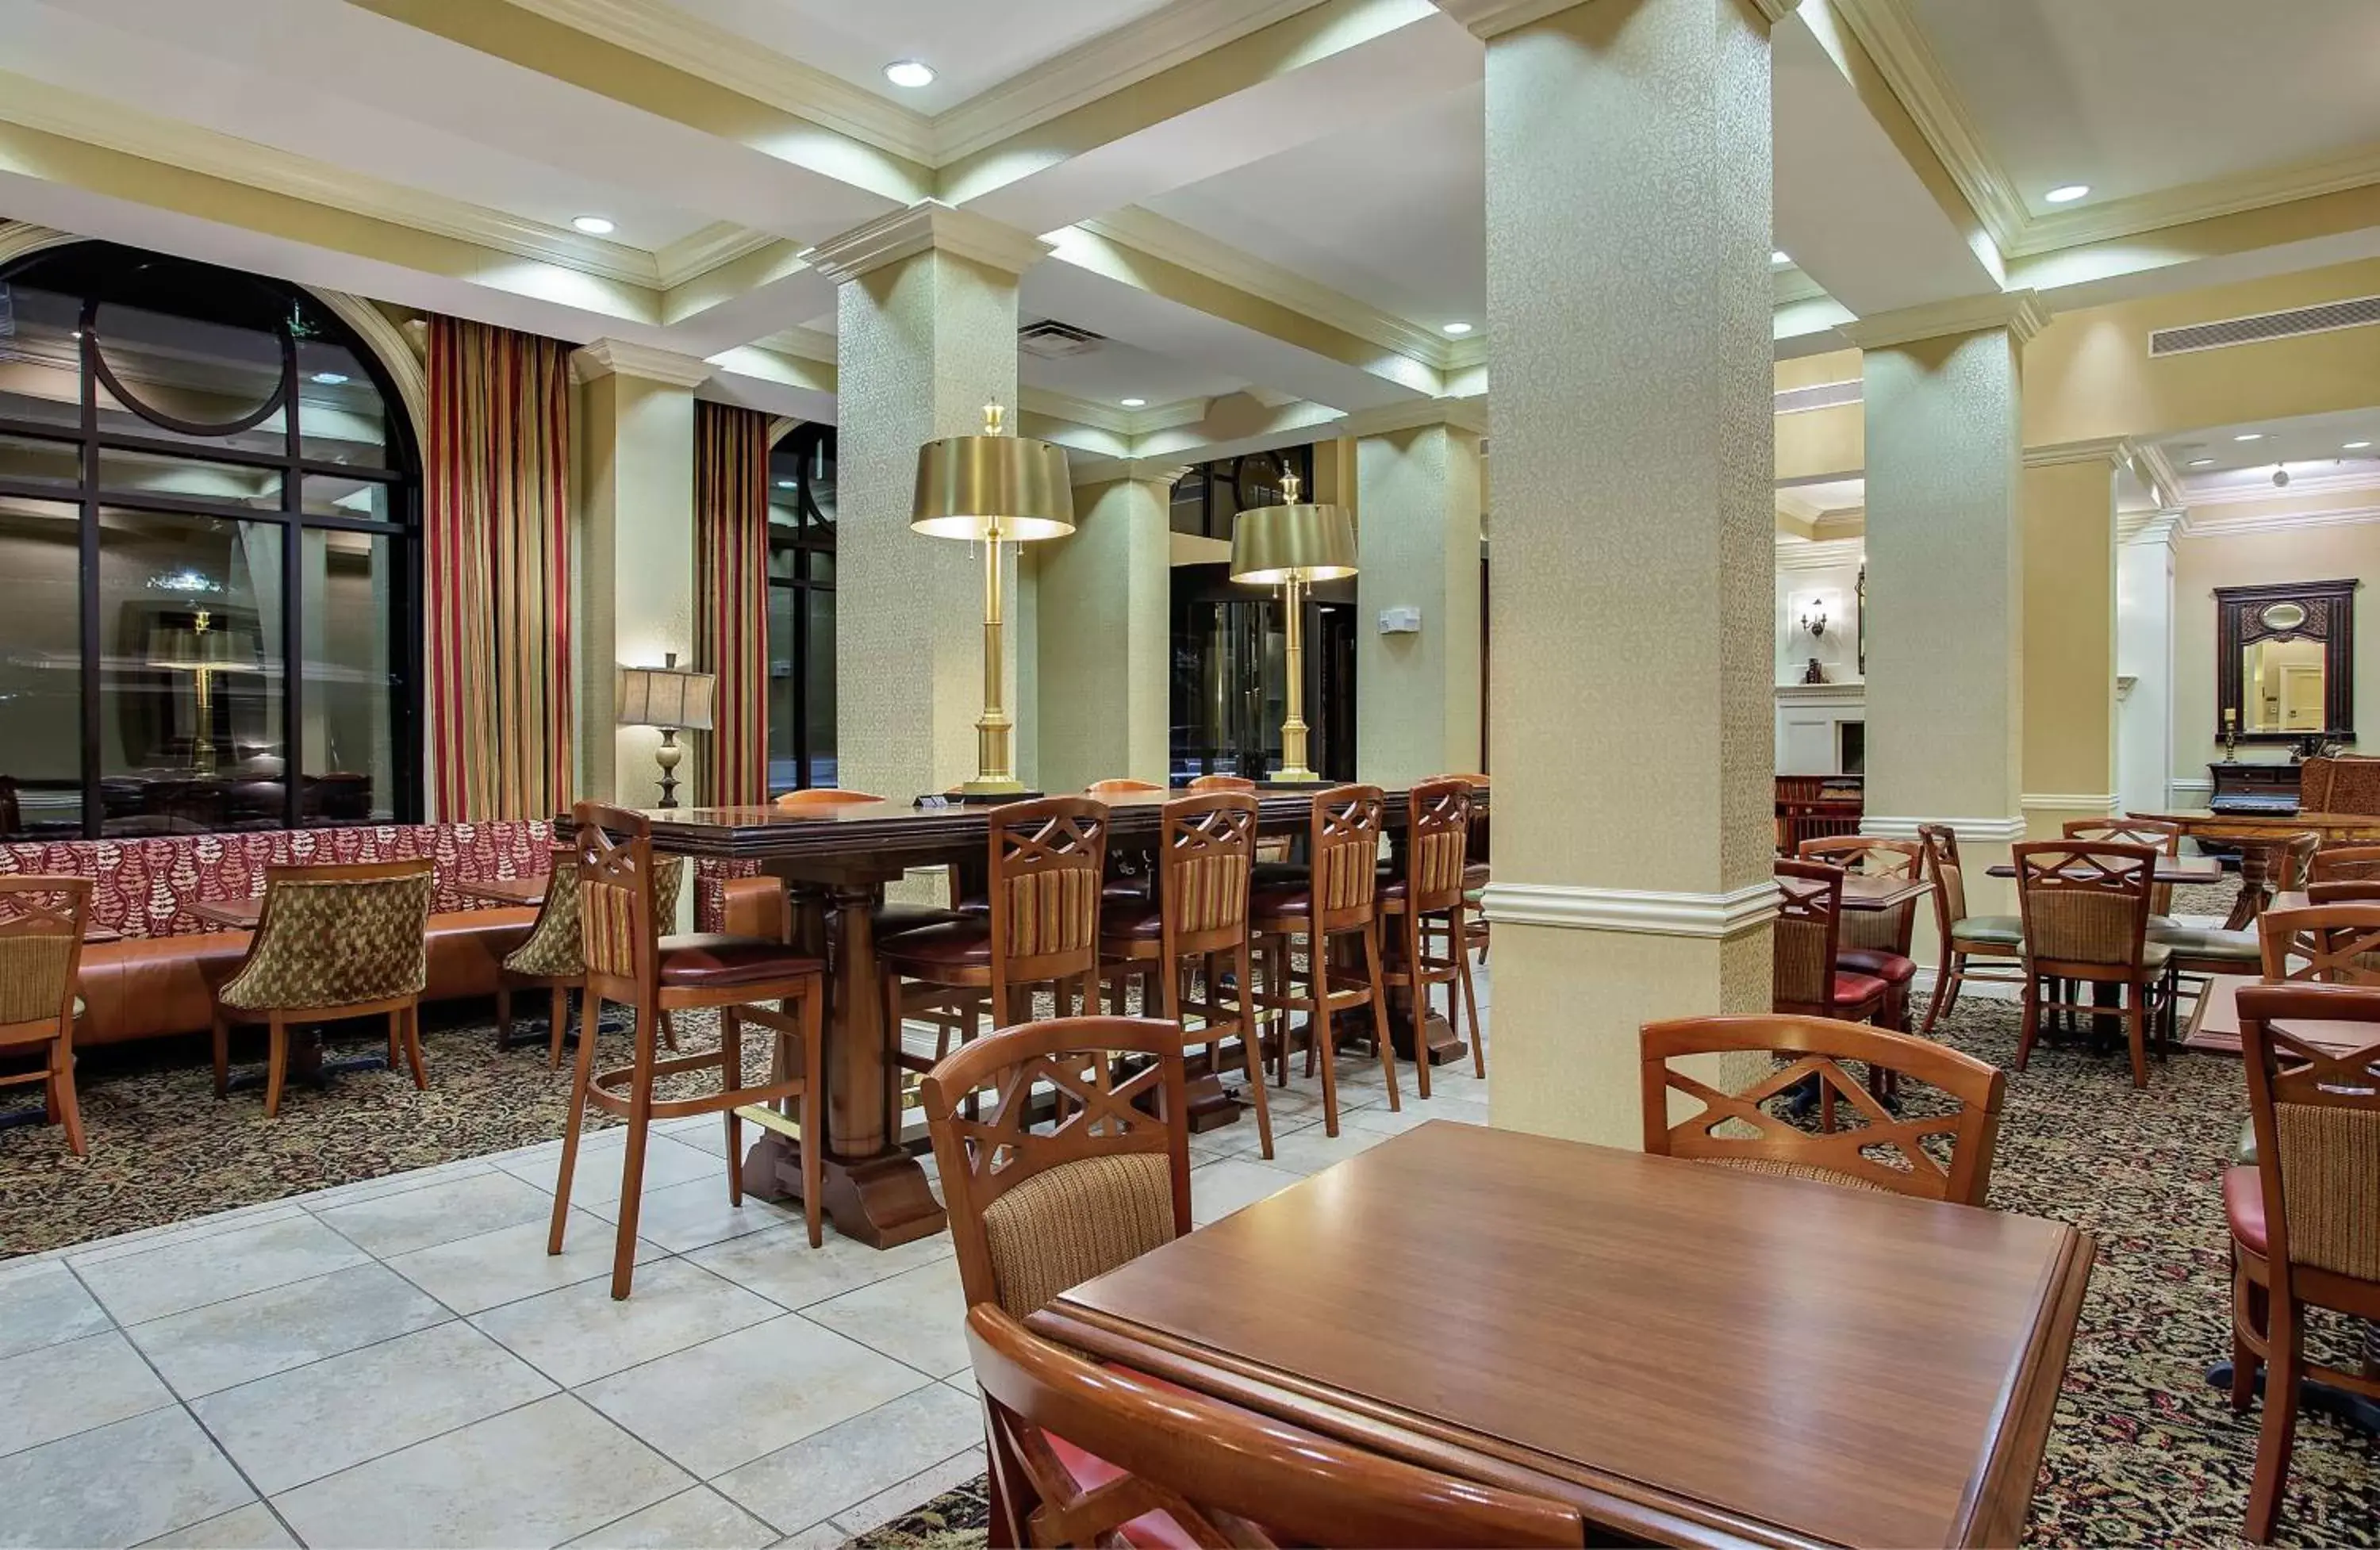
[[309, 1422], [595, 1179], [730, 1400], [395, 1224], [471, 1274], [120, 1484], [916, 1491], [252, 1527], [692, 1215], [817, 1536], [780, 1265], [394, 1183], [536, 1476], [59, 1391], [243, 1338], [837, 1469], [1217, 1188], [42, 1304], [918, 1317], [190, 1273], [580, 1333], [1311, 1151], [696, 1519], [165, 1233]]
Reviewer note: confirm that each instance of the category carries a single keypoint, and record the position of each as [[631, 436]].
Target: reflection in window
[[211, 592], [801, 609]]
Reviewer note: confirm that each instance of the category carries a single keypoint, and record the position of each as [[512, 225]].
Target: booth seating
[[154, 978]]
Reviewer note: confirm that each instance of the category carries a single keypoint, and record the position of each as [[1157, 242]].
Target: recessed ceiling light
[[2067, 193], [2355, 446], [593, 226], [911, 73], [1131, 403], [1454, 328], [330, 378], [2249, 436], [2201, 463], [1780, 257], [786, 484]]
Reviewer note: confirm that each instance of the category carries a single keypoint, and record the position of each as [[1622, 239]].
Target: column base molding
[[1718, 917], [2097, 804], [1981, 831]]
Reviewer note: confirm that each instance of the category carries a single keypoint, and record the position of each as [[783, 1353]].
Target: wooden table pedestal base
[[882, 1201]]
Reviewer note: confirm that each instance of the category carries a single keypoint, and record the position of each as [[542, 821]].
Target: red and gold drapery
[[731, 599], [498, 573]]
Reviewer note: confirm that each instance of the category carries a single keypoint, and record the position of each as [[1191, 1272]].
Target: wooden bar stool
[[552, 957], [42, 923], [1337, 899], [1431, 892], [629, 962], [1043, 863], [1205, 856]]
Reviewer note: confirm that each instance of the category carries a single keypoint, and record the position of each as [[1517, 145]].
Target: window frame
[[813, 535], [107, 265]]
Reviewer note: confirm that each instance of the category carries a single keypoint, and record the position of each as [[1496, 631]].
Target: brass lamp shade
[[666, 696], [1295, 542], [992, 485]]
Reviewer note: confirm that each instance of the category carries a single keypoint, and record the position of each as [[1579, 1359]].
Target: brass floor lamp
[[1292, 546]]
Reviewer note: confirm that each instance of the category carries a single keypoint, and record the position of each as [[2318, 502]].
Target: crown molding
[[1893, 40], [698, 253], [928, 224], [2195, 202], [1493, 18], [1821, 554], [2354, 483], [1981, 831], [2244, 526], [1175, 242], [619, 358], [1082, 411], [2020, 312], [2150, 460], [2152, 527], [1714, 916], [1113, 62], [2113, 451], [670, 36]]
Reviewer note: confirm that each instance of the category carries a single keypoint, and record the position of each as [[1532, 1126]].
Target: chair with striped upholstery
[[553, 956], [42, 923], [1044, 860], [1427, 906], [1337, 899], [1880, 1151]]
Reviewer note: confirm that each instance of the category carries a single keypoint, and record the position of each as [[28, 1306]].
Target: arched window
[[801, 609], [209, 498]]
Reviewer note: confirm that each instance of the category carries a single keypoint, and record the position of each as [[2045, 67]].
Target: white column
[[1417, 525], [1628, 242], [2145, 666]]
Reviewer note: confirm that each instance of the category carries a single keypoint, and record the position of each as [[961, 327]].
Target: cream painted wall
[[2070, 641], [2202, 562], [1103, 653], [1801, 586]]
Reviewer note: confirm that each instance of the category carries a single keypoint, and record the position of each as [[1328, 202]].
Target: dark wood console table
[[2253, 788]]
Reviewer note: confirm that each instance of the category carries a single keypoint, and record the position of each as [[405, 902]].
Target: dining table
[[1688, 1353], [2187, 871], [839, 860], [2215, 1023], [1871, 893]]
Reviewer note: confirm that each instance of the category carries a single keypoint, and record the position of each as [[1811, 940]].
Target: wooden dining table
[[1870, 892], [844, 855], [2188, 871], [1690, 1354]]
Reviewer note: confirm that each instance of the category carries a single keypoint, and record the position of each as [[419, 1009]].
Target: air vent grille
[[1819, 395], [2330, 316], [1054, 341]]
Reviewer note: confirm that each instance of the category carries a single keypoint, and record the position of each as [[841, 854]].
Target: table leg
[[875, 1192], [2256, 881]]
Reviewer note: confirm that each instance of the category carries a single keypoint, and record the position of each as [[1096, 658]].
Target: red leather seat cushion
[[1475, 874], [959, 942], [1875, 963], [2243, 1207], [713, 958], [1852, 989], [1131, 917], [1280, 900], [1151, 1530]]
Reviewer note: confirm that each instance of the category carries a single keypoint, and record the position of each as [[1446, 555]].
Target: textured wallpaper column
[[1945, 581], [1417, 694], [923, 342], [2070, 641], [1105, 654], [1629, 302]]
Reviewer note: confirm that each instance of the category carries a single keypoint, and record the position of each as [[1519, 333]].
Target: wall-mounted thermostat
[[1400, 620]]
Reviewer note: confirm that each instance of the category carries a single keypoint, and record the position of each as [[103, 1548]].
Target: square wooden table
[[2185, 870], [1863, 891], [241, 914], [1689, 1353]]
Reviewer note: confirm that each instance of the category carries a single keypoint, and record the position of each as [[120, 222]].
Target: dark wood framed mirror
[[2285, 661]]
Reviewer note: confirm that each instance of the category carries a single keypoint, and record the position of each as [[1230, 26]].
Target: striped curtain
[[731, 599], [498, 572]]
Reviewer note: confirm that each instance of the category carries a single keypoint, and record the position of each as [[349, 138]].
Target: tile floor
[[399, 1363]]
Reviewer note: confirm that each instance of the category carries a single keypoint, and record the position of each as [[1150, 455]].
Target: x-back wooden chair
[[42, 923], [2328, 944], [2086, 908]]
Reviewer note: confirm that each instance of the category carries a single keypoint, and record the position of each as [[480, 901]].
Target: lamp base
[[1294, 775], [992, 786]]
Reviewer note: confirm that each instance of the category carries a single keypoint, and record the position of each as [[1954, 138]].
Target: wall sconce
[[1814, 616]]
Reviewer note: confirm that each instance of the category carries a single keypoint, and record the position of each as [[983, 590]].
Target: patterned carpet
[[2143, 1451]]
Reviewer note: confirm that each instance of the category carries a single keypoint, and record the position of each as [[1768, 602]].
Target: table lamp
[[1291, 546], [994, 488], [201, 650], [672, 698]]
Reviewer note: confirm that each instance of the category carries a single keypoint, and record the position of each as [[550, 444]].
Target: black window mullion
[[293, 595], [93, 807]]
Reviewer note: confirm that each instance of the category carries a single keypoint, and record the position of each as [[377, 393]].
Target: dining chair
[[1425, 906], [1222, 782], [42, 923], [553, 956], [1884, 1152], [1131, 871], [1994, 938], [1040, 927], [2201, 952], [631, 963], [2085, 907], [1875, 941], [2328, 944], [2303, 1231], [332, 942], [2158, 834], [1082, 1454], [1205, 853], [1476, 872], [1079, 1162], [1806, 977], [2344, 864], [1336, 899], [1121, 786]]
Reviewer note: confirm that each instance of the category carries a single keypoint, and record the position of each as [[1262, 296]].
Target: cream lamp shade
[[666, 696], [1290, 546]]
